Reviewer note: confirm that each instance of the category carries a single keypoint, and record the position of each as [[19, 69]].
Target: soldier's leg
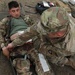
[[22, 66], [42, 66]]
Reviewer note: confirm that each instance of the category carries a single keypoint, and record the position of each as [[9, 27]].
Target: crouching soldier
[[56, 34], [10, 28]]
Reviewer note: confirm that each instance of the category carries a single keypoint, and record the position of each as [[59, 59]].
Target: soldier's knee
[[22, 66]]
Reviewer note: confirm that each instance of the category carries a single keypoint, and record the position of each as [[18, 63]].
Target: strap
[[8, 29]]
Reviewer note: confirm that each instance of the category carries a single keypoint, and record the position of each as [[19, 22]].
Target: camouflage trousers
[[22, 65]]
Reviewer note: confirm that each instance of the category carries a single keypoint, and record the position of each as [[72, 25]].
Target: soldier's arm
[[29, 33], [29, 21], [2, 30]]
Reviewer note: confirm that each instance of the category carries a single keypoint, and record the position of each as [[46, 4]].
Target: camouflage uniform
[[21, 65], [60, 51]]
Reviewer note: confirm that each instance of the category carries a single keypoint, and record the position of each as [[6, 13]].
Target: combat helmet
[[55, 19]]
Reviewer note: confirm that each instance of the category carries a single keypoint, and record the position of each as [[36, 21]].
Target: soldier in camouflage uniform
[[11, 27], [56, 34]]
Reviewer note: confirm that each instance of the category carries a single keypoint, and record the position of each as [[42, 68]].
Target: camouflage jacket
[[4, 27]]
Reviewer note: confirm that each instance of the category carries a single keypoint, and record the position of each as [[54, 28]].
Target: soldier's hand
[[10, 47], [5, 52]]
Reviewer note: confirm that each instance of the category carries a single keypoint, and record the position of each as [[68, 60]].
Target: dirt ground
[[3, 12], [29, 10]]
